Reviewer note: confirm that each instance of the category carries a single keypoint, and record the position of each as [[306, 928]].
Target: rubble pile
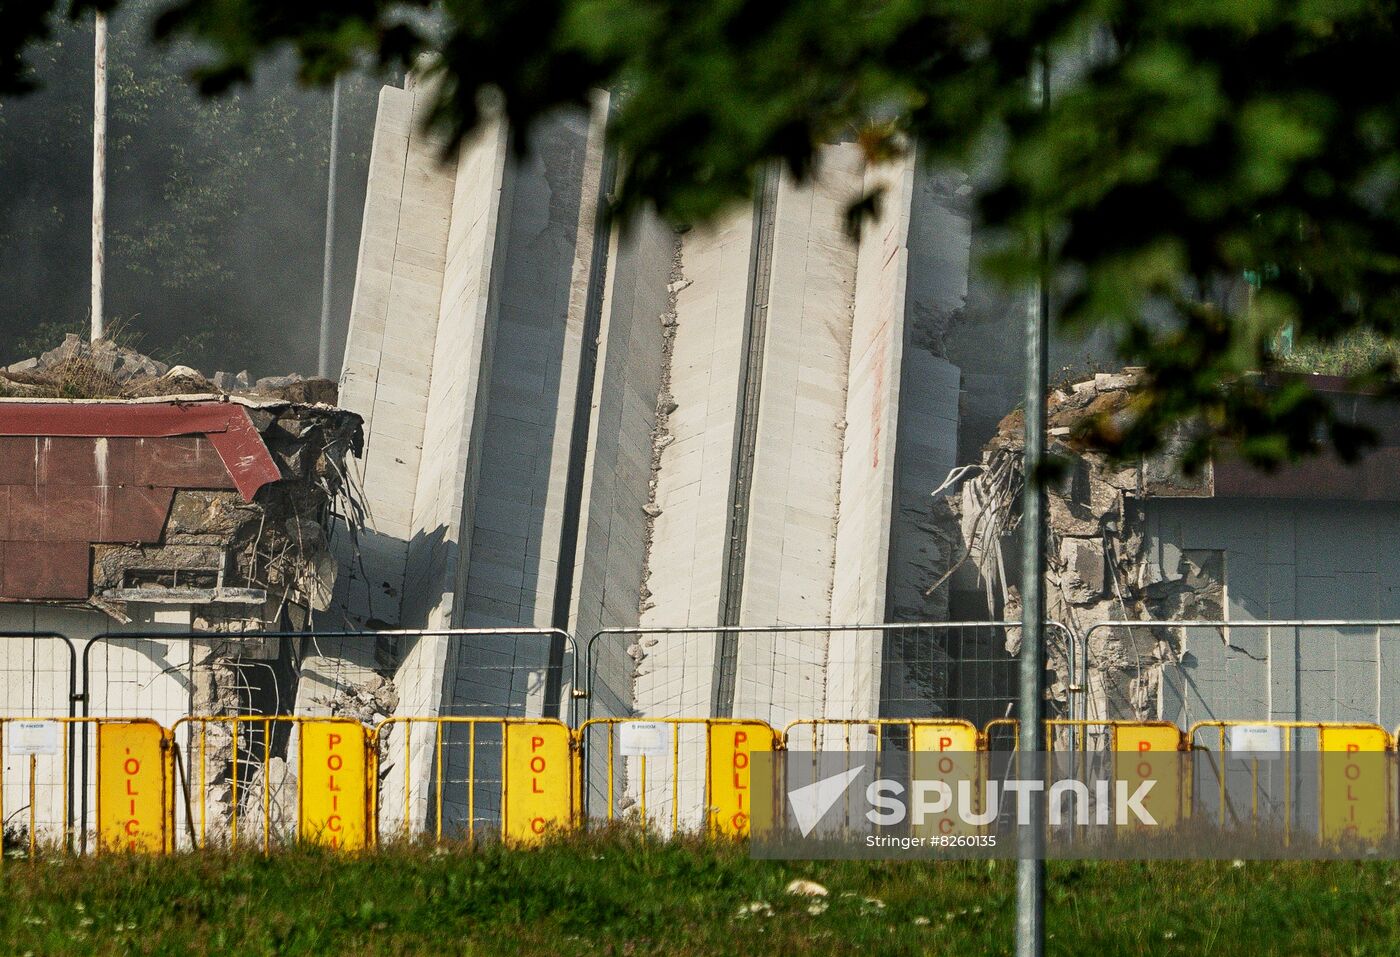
[[1098, 565], [79, 369]]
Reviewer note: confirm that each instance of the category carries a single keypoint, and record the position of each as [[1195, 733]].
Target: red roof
[[75, 474], [225, 424]]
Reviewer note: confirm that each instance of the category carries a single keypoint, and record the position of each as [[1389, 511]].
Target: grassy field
[[619, 895]]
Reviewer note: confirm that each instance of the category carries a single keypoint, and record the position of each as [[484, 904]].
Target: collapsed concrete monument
[[580, 424]]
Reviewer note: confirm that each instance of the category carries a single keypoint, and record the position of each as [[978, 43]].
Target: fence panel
[[269, 780], [901, 748], [783, 673], [466, 778], [1319, 779], [134, 784], [38, 675], [1285, 669], [37, 767], [53, 770], [367, 675], [673, 775]]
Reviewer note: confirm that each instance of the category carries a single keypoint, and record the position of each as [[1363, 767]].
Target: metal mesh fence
[[443, 778], [38, 675], [964, 670], [367, 675], [791, 673], [36, 792], [1283, 669]]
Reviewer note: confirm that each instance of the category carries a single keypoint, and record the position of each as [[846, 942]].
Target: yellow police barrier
[[43, 761], [697, 756], [325, 801], [942, 749], [730, 793], [1141, 751], [540, 772], [333, 799], [521, 769], [133, 786], [539, 780], [1356, 782], [1353, 774]]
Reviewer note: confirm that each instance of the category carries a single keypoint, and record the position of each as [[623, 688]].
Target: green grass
[[619, 895], [1350, 355]]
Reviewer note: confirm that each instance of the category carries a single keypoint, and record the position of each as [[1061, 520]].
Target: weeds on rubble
[[620, 894]]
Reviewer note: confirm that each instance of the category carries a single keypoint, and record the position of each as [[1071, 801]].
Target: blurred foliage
[[1187, 143]]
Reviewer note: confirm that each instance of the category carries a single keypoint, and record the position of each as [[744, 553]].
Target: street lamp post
[[1030, 864]]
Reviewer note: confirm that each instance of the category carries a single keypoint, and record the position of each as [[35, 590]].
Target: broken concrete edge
[[1099, 564], [182, 398]]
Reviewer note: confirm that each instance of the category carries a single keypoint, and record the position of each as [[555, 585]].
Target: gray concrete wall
[[796, 484], [612, 539], [390, 344], [523, 460], [529, 402], [487, 511], [457, 370], [1287, 559], [689, 535], [868, 458]]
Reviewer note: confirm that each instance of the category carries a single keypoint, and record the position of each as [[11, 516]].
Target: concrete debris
[[272, 552], [79, 369], [369, 701], [1099, 567]]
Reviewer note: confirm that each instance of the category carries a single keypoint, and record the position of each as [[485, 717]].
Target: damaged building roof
[[197, 496], [1374, 478]]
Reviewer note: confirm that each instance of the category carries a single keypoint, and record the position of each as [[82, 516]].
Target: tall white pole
[[323, 355], [99, 171]]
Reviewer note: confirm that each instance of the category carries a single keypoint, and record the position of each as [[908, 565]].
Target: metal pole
[[1030, 864], [99, 170], [323, 353]]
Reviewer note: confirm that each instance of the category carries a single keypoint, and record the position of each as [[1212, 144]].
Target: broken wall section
[[1099, 566]]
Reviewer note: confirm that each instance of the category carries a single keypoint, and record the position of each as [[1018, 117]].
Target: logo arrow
[[811, 801]]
